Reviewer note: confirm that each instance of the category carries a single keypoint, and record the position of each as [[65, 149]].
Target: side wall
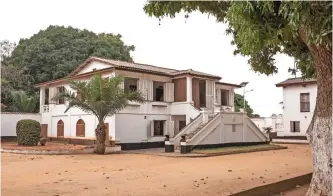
[[9, 120], [230, 130]]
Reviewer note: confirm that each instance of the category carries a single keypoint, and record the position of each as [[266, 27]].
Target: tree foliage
[[55, 52], [239, 104], [51, 54], [261, 29], [23, 103], [101, 97]]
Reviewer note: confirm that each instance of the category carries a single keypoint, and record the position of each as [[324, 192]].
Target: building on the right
[[299, 101]]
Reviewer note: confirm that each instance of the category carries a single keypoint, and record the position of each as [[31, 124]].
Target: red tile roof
[[296, 81]]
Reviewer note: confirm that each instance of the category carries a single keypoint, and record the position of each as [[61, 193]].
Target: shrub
[[28, 132]]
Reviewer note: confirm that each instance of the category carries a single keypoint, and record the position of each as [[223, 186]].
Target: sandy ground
[[138, 174], [48, 146]]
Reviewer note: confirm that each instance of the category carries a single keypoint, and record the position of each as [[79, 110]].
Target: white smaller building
[[274, 121], [299, 101]]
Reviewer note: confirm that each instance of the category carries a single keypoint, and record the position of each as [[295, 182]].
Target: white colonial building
[[177, 102], [299, 101]]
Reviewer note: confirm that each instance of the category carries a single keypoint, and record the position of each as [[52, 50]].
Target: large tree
[[261, 29], [54, 52], [12, 79], [239, 104], [101, 97]]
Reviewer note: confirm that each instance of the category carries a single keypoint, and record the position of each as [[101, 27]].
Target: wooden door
[[107, 135], [80, 128], [44, 130], [60, 128]]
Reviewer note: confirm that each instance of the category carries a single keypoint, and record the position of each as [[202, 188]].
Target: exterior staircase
[[193, 133], [199, 130]]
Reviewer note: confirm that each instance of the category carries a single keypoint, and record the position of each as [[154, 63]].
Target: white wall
[[274, 122], [291, 108], [132, 128], [9, 120]]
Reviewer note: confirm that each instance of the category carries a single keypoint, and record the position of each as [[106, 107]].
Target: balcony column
[[189, 89], [41, 99]]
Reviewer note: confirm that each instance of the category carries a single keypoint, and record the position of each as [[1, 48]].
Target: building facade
[[299, 101], [174, 98]]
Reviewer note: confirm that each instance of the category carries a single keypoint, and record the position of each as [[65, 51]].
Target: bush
[[28, 132]]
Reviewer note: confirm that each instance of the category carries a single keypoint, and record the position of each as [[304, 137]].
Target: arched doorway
[[60, 128], [80, 128]]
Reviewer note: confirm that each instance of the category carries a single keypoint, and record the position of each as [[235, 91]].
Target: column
[[189, 89], [41, 99]]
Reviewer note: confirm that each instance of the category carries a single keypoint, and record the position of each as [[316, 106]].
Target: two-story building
[[299, 101], [174, 98]]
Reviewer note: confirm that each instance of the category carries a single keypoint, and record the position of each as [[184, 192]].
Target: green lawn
[[238, 149]]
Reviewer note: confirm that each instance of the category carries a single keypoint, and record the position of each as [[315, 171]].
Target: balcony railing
[[45, 109]]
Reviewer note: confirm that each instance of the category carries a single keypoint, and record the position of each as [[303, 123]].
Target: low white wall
[[9, 120]]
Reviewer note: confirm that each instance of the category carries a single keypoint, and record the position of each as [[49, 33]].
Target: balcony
[[45, 109]]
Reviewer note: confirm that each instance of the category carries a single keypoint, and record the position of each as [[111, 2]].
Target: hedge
[[28, 132]]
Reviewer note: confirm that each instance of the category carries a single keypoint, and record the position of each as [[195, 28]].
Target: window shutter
[[165, 127], [152, 128], [51, 95], [169, 92], [297, 126], [150, 92], [122, 85], [209, 94], [231, 100], [143, 88], [171, 128], [292, 126], [218, 97]]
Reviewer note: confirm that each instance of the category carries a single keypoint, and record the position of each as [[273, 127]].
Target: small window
[[305, 102], [61, 90], [130, 84], [225, 97], [159, 127], [158, 91], [233, 128], [294, 126]]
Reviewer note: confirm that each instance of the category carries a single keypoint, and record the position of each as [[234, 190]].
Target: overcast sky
[[199, 43]]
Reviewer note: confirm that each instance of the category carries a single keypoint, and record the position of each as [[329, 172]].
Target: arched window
[[80, 128], [60, 128]]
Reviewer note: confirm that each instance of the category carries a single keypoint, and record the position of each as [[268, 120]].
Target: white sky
[[199, 44]]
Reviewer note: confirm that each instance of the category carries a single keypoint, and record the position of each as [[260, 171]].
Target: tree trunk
[[100, 138], [320, 128]]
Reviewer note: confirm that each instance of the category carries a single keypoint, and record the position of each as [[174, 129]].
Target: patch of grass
[[238, 149]]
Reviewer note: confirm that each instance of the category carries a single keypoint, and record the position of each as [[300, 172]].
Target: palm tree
[[22, 102], [101, 97]]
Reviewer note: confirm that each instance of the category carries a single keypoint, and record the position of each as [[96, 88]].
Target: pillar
[[41, 99], [189, 89]]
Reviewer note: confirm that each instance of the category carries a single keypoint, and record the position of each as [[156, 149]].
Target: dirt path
[[133, 174]]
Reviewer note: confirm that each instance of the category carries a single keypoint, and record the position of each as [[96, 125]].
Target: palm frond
[[100, 96]]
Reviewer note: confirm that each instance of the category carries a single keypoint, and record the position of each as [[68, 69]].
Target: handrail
[[187, 127]]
